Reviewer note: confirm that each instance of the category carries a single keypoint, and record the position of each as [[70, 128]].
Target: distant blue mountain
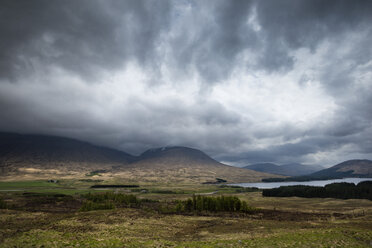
[[351, 168], [294, 169]]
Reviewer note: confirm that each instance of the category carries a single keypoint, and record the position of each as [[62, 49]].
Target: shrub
[[3, 204], [179, 207], [89, 206]]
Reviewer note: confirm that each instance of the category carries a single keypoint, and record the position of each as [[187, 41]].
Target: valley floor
[[278, 222]]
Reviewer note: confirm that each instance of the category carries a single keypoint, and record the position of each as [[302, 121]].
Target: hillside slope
[[351, 168], [294, 169], [40, 153], [183, 164]]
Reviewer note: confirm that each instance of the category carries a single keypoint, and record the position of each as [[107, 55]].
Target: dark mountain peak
[[292, 164], [261, 166], [160, 150], [349, 168], [45, 149], [190, 163], [266, 167], [353, 162], [175, 152], [43, 156]]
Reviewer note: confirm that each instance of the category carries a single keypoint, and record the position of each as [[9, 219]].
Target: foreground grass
[[287, 222], [138, 228]]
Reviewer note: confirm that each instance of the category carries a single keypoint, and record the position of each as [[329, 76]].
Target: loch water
[[271, 185]]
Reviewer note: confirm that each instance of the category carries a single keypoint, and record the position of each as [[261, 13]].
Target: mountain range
[[24, 156], [38, 156], [294, 169], [351, 168]]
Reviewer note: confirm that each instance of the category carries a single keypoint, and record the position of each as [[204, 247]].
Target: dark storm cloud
[[297, 152], [219, 40], [306, 23], [226, 31], [84, 36], [81, 36], [156, 68], [291, 24]]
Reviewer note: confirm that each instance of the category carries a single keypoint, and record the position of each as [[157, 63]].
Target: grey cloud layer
[[185, 51], [81, 36]]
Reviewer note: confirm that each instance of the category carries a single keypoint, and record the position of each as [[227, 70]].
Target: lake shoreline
[[320, 183]]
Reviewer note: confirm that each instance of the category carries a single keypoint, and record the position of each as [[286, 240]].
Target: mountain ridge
[[350, 168], [45, 156], [45, 149], [293, 169]]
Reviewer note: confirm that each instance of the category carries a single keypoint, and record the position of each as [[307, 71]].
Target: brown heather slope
[[361, 168], [37, 156], [40, 155], [183, 164], [350, 168]]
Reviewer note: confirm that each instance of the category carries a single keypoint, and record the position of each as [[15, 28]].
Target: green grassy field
[[39, 220], [26, 185]]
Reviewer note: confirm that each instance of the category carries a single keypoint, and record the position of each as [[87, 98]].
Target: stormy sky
[[245, 81]]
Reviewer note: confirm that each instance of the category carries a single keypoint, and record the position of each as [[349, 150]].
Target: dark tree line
[[362, 190], [213, 204], [125, 199], [115, 186], [197, 203]]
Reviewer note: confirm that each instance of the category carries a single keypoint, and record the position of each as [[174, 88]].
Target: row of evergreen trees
[[362, 190], [110, 200], [213, 204]]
